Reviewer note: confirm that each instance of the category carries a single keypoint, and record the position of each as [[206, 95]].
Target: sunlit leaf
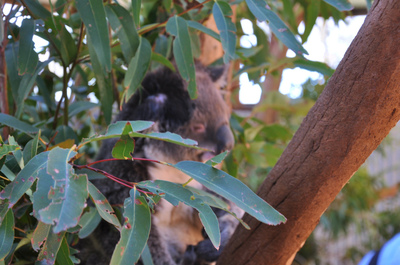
[[6, 149], [177, 26], [6, 234], [217, 159], [281, 31], [135, 231], [222, 12], [68, 195], [94, 17], [103, 206], [180, 193], [27, 57], [232, 189], [161, 59], [341, 5], [137, 68], [122, 24]]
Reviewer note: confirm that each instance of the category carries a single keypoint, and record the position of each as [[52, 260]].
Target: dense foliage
[[69, 63]]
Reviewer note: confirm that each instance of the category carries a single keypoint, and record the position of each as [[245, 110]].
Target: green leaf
[[136, 5], [65, 133], [94, 17], [68, 195], [27, 57], [177, 26], [63, 254], [115, 130], [89, 222], [168, 137], [17, 124], [40, 235], [41, 197], [341, 5], [178, 192], [50, 248], [281, 31], [217, 159], [103, 206], [135, 231], [24, 180], [221, 12], [6, 149], [26, 84], [311, 14], [6, 234], [125, 145], [122, 24], [204, 29], [137, 68], [79, 106], [161, 59], [146, 256], [37, 9], [31, 148], [319, 67], [232, 189]]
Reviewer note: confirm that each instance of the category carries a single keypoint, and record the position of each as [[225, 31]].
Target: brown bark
[[357, 109]]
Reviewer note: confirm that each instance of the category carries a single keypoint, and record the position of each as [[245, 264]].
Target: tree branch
[[355, 112]]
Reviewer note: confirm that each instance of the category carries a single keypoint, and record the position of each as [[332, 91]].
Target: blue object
[[388, 255]]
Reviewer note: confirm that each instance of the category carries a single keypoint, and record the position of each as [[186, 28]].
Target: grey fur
[[176, 234]]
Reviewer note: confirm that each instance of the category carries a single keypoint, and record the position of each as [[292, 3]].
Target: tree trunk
[[357, 109]]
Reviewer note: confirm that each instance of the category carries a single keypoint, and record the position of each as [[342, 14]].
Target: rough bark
[[357, 109]]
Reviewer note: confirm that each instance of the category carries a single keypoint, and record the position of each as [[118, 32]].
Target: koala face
[[164, 99]]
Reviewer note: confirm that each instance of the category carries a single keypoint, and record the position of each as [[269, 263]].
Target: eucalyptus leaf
[[6, 234], [89, 222], [27, 57], [232, 189], [40, 234], [180, 193], [135, 231], [50, 248], [221, 12], [341, 5], [13, 122], [93, 16], [178, 27]]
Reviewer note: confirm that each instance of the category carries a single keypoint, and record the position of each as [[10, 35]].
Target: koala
[[177, 235]]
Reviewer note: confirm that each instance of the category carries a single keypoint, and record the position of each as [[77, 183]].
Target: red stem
[[116, 159]]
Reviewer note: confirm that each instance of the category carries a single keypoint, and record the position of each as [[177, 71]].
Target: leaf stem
[[133, 158]]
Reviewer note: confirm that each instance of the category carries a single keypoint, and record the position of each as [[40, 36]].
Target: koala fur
[[177, 235]]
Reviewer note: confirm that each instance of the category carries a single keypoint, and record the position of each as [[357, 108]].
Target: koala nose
[[225, 140]]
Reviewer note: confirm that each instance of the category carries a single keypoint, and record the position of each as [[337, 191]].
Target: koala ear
[[218, 74]]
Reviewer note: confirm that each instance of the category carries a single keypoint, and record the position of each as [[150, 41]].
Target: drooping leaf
[[103, 81], [38, 9], [137, 68], [26, 84], [24, 180], [221, 12], [39, 235], [31, 148], [79, 106], [135, 231], [136, 5], [6, 234], [27, 57], [281, 31], [63, 254], [180, 193], [341, 5], [68, 195], [146, 256], [122, 23], [103, 206], [89, 222], [125, 145], [17, 124], [178, 27], [311, 14], [196, 25], [93, 16], [319, 67], [232, 189], [50, 248]]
